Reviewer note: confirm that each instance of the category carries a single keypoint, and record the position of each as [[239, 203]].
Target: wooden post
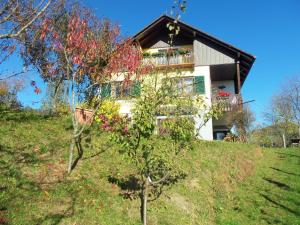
[[238, 74]]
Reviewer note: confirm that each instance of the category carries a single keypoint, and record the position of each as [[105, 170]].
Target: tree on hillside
[[280, 116], [76, 47], [291, 94], [157, 165], [284, 111]]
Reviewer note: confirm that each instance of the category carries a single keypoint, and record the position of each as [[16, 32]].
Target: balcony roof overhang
[[245, 59]]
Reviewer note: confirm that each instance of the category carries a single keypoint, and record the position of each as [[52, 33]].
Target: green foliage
[[157, 165], [137, 89], [180, 129], [166, 53], [108, 108]]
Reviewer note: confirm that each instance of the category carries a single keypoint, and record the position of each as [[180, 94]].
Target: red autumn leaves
[[93, 48], [36, 89]]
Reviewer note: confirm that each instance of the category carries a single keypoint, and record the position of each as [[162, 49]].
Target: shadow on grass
[[280, 205], [17, 187], [277, 183], [55, 218], [17, 157], [283, 155], [282, 171], [131, 186]]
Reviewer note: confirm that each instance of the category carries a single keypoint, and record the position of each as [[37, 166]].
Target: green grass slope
[[226, 183]]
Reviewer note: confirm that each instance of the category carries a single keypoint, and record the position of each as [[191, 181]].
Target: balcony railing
[[185, 59], [227, 103]]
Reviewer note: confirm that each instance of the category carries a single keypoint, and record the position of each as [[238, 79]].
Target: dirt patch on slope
[[181, 202], [245, 168]]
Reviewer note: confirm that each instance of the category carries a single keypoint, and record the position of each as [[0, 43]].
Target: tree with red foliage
[[84, 51]]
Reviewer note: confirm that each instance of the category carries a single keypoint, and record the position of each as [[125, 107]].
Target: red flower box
[[223, 94]]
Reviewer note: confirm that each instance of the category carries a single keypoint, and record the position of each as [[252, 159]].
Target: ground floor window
[[220, 135], [121, 91]]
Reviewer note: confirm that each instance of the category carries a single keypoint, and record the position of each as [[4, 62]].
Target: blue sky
[[270, 30]]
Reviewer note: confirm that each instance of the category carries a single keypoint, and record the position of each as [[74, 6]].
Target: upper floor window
[[186, 85], [190, 85]]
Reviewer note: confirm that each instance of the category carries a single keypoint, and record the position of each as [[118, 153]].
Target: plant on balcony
[[223, 94], [172, 52]]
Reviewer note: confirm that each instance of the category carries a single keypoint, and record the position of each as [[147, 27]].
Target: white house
[[219, 68]]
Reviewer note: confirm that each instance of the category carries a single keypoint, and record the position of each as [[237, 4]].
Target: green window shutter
[[199, 85], [105, 90], [137, 89]]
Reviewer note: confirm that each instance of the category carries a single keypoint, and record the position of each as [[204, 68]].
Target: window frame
[[182, 92], [122, 95]]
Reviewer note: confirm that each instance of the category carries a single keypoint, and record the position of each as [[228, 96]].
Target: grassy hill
[[226, 183]]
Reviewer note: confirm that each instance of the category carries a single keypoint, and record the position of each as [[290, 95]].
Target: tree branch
[[17, 34]]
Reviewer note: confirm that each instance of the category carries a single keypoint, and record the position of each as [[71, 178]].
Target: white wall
[[125, 106], [229, 85], [206, 132]]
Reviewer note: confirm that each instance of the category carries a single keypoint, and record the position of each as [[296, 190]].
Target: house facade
[[208, 66]]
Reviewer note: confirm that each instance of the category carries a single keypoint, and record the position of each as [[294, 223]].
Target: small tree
[[280, 115], [156, 165]]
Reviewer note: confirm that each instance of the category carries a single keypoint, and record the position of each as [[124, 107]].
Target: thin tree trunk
[[71, 155], [284, 142], [145, 199]]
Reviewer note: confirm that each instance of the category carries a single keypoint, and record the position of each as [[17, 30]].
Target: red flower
[[223, 94]]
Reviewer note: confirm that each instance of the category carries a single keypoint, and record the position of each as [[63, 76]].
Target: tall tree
[[76, 47], [291, 93], [280, 116]]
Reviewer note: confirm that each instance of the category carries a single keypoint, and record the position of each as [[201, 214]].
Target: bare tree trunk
[[145, 199], [284, 141], [71, 155]]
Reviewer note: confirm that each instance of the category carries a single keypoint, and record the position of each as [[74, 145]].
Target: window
[[129, 91], [190, 85], [219, 135], [105, 90], [185, 85]]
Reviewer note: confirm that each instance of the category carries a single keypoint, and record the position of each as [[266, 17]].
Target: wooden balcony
[[227, 103], [186, 60]]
